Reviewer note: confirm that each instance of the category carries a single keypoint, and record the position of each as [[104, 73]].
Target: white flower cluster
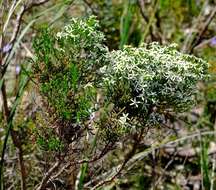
[[154, 76], [81, 25], [83, 41], [83, 32]]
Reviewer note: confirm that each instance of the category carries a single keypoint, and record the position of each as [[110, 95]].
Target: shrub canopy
[[74, 65]]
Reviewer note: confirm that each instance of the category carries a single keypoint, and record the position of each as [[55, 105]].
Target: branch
[[9, 114], [60, 171], [47, 175], [18, 22], [141, 4], [90, 6], [5, 103], [198, 30], [105, 150], [23, 10], [150, 20], [186, 152], [141, 155], [137, 139], [204, 28], [94, 159], [119, 169]]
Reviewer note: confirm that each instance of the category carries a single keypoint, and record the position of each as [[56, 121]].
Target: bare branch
[[119, 169], [141, 5], [23, 10], [47, 175], [129, 155], [139, 156], [204, 28], [105, 150], [198, 30], [90, 7]]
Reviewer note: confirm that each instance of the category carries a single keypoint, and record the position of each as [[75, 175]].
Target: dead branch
[[141, 155], [119, 169], [90, 7], [105, 150], [129, 155], [204, 28], [15, 137], [185, 152], [94, 159], [47, 175], [141, 5], [23, 10], [200, 26]]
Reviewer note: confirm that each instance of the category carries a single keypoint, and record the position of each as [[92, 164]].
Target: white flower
[[123, 119], [135, 102]]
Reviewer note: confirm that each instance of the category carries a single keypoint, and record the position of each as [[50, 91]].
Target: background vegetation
[[76, 115]]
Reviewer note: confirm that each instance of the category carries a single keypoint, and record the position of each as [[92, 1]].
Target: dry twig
[[194, 38], [137, 139], [47, 175], [3, 60]]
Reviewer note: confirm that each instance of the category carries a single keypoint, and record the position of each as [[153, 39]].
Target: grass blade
[[126, 21], [204, 163], [82, 176]]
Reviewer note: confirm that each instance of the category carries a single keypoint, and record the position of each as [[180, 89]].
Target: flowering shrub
[[150, 80], [66, 67], [137, 84]]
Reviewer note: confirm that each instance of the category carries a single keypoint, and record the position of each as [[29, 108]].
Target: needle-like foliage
[[67, 65], [142, 83]]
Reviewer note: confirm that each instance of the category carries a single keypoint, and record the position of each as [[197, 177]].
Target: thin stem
[[137, 139], [148, 27], [47, 175]]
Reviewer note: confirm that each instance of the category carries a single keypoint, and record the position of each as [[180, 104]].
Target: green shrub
[[67, 65], [137, 85]]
